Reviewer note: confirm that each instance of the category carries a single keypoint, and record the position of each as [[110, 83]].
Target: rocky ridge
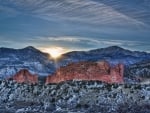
[[100, 71], [24, 76]]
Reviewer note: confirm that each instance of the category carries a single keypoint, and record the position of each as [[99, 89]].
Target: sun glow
[[55, 52]]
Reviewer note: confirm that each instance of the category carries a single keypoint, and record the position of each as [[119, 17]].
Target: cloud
[[71, 43], [84, 11], [82, 24], [67, 38], [74, 43]]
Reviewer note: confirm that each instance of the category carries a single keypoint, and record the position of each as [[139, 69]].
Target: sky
[[68, 25]]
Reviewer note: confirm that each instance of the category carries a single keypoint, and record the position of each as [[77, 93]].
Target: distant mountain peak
[[30, 48], [111, 50], [114, 47]]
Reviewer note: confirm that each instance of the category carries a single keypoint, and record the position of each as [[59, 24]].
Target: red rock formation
[[24, 76], [101, 71]]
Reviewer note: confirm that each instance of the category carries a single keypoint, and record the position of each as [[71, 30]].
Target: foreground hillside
[[74, 97]]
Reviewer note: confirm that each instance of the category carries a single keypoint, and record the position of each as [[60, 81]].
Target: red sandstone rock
[[24, 76], [101, 71]]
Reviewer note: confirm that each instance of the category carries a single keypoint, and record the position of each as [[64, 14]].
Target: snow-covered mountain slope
[[12, 60], [113, 55], [139, 71]]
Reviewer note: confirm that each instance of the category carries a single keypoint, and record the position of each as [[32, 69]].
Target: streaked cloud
[[75, 24], [83, 43], [68, 39], [86, 11]]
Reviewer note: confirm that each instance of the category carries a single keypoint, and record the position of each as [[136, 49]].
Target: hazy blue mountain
[[113, 54], [12, 60]]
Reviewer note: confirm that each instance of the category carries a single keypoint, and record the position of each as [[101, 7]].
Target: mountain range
[[112, 54], [13, 60], [37, 62]]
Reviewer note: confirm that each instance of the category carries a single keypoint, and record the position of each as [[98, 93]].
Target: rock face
[[24, 76], [100, 71]]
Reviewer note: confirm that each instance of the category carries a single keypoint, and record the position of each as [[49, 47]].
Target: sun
[[55, 52]]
